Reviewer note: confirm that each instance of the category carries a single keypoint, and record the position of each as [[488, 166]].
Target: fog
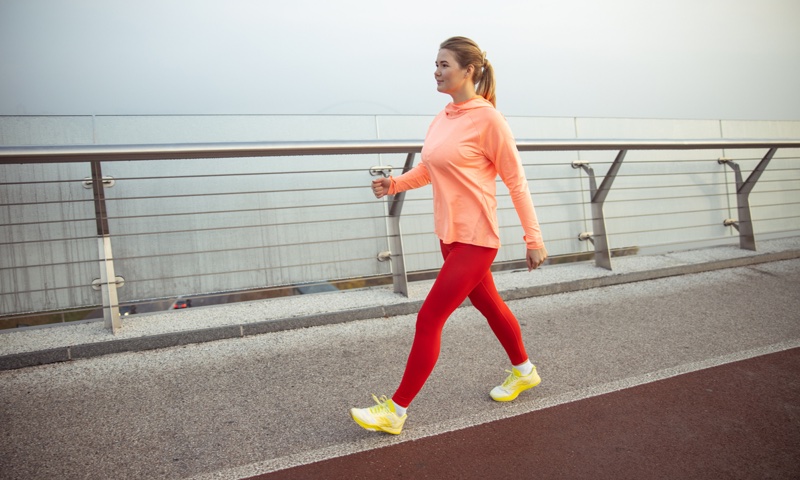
[[715, 59]]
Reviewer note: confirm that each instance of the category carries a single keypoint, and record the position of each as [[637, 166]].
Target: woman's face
[[450, 77]]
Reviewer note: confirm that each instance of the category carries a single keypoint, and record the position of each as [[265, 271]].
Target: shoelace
[[509, 379], [382, 405]]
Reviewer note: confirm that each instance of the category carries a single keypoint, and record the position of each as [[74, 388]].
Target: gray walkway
[[248, 405]]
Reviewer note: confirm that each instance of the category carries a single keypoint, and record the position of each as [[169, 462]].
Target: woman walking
[[467, 146]]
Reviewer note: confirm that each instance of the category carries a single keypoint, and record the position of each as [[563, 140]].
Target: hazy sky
[[713, 59]]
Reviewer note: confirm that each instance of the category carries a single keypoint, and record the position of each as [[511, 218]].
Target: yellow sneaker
[[515, 384], [380, 417]]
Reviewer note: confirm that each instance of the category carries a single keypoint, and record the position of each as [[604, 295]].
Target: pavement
[[681, 365]]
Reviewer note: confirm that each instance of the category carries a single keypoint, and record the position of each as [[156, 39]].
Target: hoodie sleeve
[[414, 178], [501, 149]]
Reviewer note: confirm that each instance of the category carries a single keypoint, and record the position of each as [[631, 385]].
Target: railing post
[[399, 275], [599, 237], [108, 280], [744, 224]]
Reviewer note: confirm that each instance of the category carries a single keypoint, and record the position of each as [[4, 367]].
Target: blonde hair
[[467, 53]]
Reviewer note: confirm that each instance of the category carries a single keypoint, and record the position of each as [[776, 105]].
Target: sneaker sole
[[375, 428], [516, 393]]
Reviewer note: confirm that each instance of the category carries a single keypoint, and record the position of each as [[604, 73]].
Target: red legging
[[465, 273]]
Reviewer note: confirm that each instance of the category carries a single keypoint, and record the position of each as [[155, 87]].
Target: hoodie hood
[[455, 110]]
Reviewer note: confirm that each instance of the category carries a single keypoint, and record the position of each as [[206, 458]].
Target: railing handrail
[[83, 153], [96, 155]]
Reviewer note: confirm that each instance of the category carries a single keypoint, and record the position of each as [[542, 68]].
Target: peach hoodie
[[467, 146]]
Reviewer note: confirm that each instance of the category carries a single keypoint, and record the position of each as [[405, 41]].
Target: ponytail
[[485, 86]]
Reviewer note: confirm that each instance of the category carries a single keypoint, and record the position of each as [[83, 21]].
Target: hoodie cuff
[[533, 244]]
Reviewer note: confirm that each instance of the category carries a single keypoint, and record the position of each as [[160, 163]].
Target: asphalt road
[[637, 379]]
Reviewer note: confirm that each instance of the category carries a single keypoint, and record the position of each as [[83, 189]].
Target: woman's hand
[[380, 186], [536, 257]]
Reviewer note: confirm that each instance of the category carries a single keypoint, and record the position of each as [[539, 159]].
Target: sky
[[686, 59]]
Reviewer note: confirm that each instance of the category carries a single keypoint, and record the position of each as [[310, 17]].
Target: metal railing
[[108, 282]]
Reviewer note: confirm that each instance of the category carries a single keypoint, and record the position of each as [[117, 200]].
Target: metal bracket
[[580, 164], [97, 283], [729, 222], [583, 236], [381, 170], [108, 182], [384, 256]]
